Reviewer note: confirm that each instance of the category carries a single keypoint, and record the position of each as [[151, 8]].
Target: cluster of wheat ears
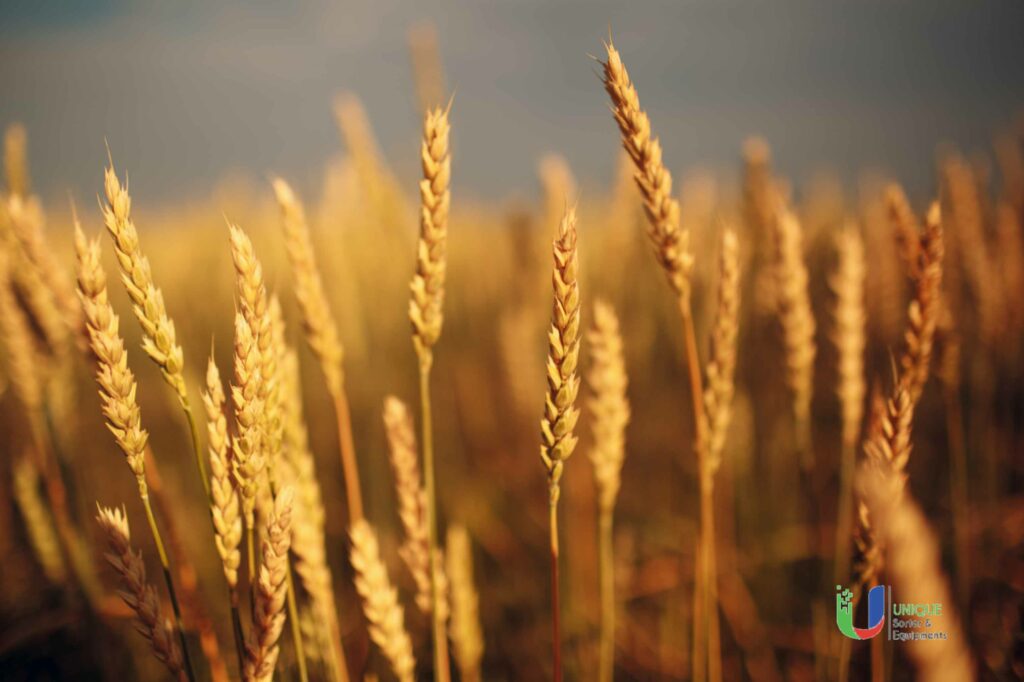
[[257, 471]]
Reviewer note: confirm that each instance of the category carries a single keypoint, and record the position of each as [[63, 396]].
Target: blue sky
[[187, 91]]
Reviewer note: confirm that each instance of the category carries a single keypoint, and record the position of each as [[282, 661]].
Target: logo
[[876, 613]]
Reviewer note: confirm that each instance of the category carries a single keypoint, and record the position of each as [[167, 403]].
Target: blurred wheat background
[[842, 297]]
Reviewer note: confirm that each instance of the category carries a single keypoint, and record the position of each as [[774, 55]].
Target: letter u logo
[[876, 613]]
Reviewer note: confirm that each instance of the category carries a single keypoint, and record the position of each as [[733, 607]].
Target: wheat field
[[295, 436]]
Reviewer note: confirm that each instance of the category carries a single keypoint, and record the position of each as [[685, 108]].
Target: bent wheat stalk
[[140, 597], [117, 389]]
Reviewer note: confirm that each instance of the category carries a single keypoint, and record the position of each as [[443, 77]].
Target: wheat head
[[37, 518], [720, 386], [227, 515], [925, 308], [140, 597], [467, 637], [321, 330], [247, 460], [848, 333], [794, 308], [116, 382], [380, 601], [426, 305], [159, 340], [22, 353], [270, 591], [671, 241], [557, 426], [608, 403]]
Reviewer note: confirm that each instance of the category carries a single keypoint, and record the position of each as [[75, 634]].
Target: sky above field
[[188, 91]]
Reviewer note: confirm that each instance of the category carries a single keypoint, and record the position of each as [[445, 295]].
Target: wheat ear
[[321, 331], [309, 545], [247, 459], [467, 638], [719, 387], [671, 242], [426, 312], [270, 592], [158, 337], [797, 319], [18, 342], [914, 565], [140, 597], [925, 307], [380, 602], [609, 408], [558, 424], [412, 502]]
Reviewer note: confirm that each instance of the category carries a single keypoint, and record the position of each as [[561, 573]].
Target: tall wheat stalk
[[159, 340], [321, 332], [671, 244], [558, 424], [426, 311], [117, 389], [609, 408]]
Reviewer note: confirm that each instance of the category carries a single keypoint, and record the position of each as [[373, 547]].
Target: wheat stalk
[[380, 602], [321, 331], [117, 390], [558, 423], [140, 597], [270, 592], [609, 408], [159, 340], [467, 638], [426, 312]]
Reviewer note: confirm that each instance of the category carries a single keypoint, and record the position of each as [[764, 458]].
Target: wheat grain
[[140, 597], [670, 240], [467, 638], [227, 519], [380, 601], [271, 588]]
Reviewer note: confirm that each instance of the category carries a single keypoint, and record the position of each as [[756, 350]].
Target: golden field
[[825, 391]]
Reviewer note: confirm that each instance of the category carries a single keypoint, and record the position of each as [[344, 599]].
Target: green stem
[[196, 447], [166, 566], [607, 570], [441, 665]]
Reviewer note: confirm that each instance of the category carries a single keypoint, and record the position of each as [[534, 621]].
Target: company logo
[[876, 613]]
